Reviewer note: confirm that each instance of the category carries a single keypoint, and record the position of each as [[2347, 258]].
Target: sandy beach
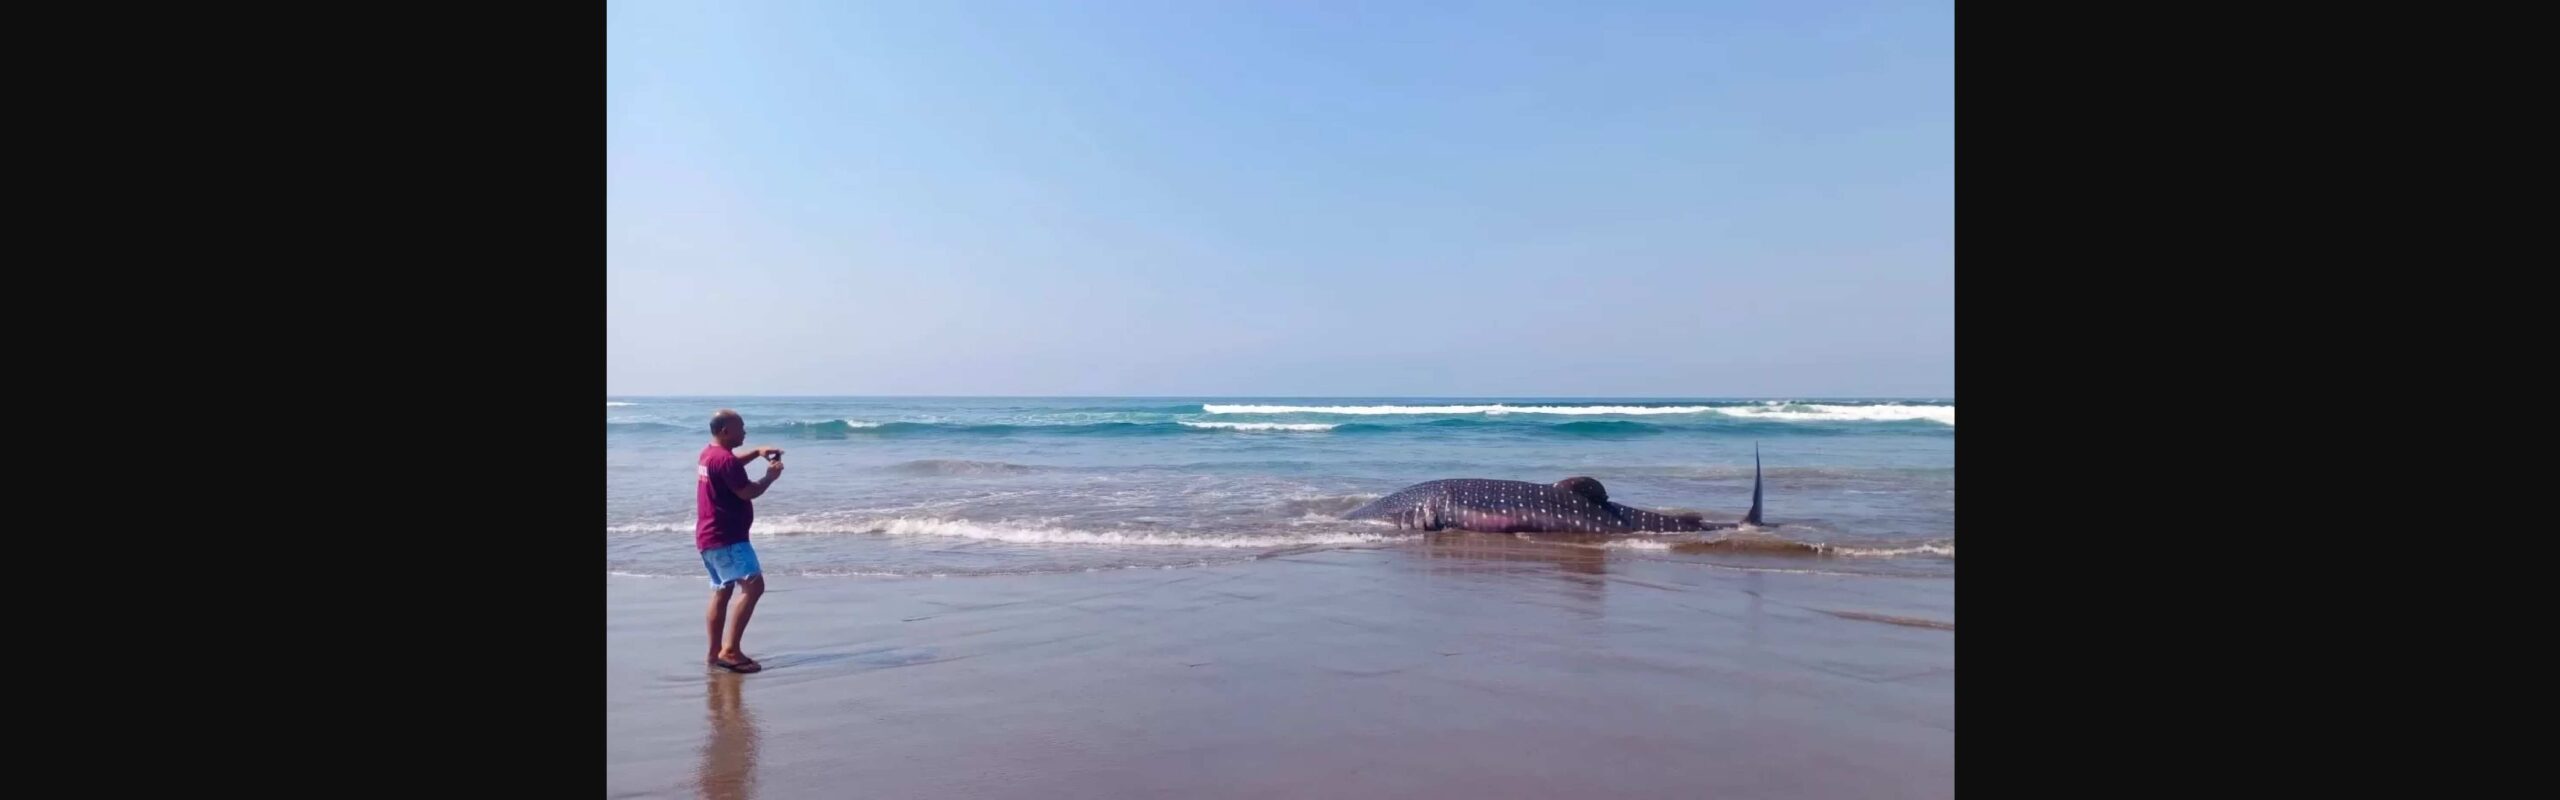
[[1105, 391], [1469, 666]]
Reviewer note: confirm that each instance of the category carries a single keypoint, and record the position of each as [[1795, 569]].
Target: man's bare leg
[[749, 591], [719, 613]]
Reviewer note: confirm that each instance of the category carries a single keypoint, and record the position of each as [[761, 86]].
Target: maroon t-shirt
[[720, 515]]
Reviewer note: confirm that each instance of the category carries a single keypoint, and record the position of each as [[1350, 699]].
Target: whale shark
[[1573, 505]]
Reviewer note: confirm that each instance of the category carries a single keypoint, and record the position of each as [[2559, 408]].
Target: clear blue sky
[[1196, 197]]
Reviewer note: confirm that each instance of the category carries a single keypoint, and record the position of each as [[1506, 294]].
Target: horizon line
[[1287, 397]]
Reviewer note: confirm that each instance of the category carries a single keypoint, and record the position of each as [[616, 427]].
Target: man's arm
[[753, 453], [737, 479]]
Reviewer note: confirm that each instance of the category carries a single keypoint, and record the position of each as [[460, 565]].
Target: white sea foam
[[952, 572], [1491, 409], [1789, 412], [1945, 415], [1943, 550], [612, 404], [1263, 426], [1034, 533], [1015, 532], [1946, 550]]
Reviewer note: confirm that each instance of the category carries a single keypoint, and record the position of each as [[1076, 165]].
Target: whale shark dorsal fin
[[1589, 488]]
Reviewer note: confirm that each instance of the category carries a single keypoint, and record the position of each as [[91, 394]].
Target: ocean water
[[879, 488]]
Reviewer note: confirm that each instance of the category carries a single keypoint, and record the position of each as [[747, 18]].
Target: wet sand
[[1476, 667]]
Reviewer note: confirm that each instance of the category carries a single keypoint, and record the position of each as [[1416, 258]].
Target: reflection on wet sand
[[1489, 553], [1497, 562], [728, 770], [1742, 542]]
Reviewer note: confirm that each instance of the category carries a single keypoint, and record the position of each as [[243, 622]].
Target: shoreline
[[1475, 667]]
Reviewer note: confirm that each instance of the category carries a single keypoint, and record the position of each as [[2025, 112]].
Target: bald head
[[728, 428]]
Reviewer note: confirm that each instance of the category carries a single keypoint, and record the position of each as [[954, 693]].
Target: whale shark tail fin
[[1753, 518]]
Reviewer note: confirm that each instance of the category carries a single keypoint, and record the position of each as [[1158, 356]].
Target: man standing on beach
[[724, 504]]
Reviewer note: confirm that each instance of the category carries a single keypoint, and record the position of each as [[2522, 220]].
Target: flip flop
[[744, 667]]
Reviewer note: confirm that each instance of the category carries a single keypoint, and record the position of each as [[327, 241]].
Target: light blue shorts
[[731, 563]]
